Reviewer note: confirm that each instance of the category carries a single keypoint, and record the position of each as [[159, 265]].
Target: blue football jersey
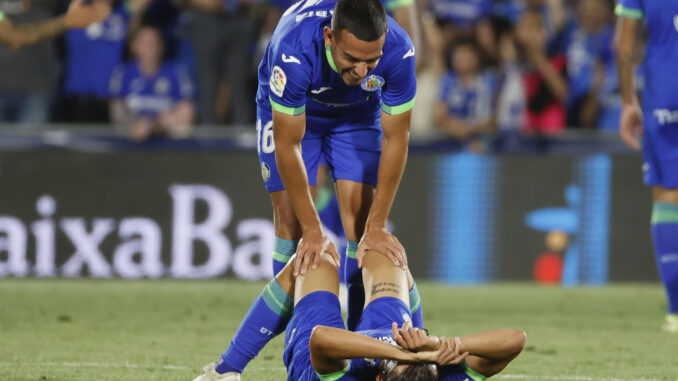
[[472, 103], [149, 96], [94, 52], [298, 74], [661, 55]]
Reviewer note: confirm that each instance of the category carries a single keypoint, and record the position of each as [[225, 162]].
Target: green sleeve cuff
[[294, 111], [396, 110], [621, 10], [336, 375], [395, 4], [475, 375]]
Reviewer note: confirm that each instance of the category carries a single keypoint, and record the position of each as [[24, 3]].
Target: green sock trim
[[664, 212], [284, 249], [323, 199], [277, 299], [415, 300], [472, 373], [352, 249], [336, 375]]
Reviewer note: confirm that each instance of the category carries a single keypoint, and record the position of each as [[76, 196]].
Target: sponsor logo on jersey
[[320, 90], [265, 172], [161, 86], [277, 81], [665, 116], [290, 59], [372, 83], [410, 53]]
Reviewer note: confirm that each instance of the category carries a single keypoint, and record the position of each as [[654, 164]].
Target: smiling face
[[353, 57]]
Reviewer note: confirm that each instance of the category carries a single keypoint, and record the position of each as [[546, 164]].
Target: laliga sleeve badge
[[265, 172], [277, 81], [372, 83]]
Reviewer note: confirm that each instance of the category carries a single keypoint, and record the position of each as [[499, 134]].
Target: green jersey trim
[[621, 10], [391, 5], [330, 60], [294, 111], [334, 376], [473, 374], [397, 110]]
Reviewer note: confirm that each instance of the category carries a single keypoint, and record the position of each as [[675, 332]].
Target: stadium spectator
[[92, 54], [545, 77], [222, 34], [466, 102], [589, 57], [27, 76], [151, 95]]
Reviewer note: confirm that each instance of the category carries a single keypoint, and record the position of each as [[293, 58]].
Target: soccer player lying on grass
[[317, 347]]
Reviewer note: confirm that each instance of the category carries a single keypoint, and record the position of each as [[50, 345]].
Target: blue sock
[[415, 307], [665, 237], [282, 252], [267, 318], [354, 286]]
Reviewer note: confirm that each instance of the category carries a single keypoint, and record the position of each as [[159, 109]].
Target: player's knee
[[375, 260]]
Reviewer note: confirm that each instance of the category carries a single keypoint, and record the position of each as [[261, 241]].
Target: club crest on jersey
[[161, 86], [277, 81], [372, 83], [265, 172]]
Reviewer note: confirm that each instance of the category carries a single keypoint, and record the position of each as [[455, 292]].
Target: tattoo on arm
[[385, 287]]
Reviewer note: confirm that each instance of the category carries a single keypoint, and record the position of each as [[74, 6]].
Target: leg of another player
[[268, 316], [287, 229], [665, 237], [355, 200], [323, 278], [382, 278]]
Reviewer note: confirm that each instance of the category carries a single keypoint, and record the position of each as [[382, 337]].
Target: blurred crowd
[[498, 68]]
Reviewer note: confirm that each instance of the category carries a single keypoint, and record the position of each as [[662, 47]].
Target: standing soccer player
[[78, 16], [657, 123]]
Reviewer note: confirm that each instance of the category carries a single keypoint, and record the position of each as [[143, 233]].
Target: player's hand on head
[[631, 125], [80, 15], [448, 353], [382, 241], [414, 339], [311, 245]]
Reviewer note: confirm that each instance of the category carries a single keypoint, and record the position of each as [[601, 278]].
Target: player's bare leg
[[354, 200], [323, 278], [665, 237], [287, 228]]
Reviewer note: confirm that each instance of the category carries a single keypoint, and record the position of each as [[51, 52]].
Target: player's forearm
[[336, 343], [394, 148], [293, 174], [625, 60], [19, 36], [494, 345]]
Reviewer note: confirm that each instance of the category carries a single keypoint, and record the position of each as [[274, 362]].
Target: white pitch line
[[181, 367]]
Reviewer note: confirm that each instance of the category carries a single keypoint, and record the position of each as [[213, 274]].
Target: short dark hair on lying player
[[414, 372], [365, 19]]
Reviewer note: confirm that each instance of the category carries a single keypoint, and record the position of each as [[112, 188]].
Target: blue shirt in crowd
[[149, 96], [471, 103], [94, 52]]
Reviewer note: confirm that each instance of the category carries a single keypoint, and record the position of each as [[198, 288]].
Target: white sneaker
[[210, 374], [671, 324]]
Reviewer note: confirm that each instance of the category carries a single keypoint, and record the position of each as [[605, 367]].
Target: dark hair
[[414, 372], [365, 19]]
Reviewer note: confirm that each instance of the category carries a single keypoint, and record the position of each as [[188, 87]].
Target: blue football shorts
[[317, 308], [350, 147], [381, 312], [660, 148]]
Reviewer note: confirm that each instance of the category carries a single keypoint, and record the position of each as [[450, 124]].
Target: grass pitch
[[166, 330]]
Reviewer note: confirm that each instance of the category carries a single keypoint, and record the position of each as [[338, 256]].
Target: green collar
[[330, 60]]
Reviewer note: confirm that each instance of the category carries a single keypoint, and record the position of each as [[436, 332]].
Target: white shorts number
[[265, 142]]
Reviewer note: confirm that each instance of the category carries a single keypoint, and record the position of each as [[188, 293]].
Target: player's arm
[[288, 134], [394, 147], [78, 16], [330, 347], [630, 127]]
